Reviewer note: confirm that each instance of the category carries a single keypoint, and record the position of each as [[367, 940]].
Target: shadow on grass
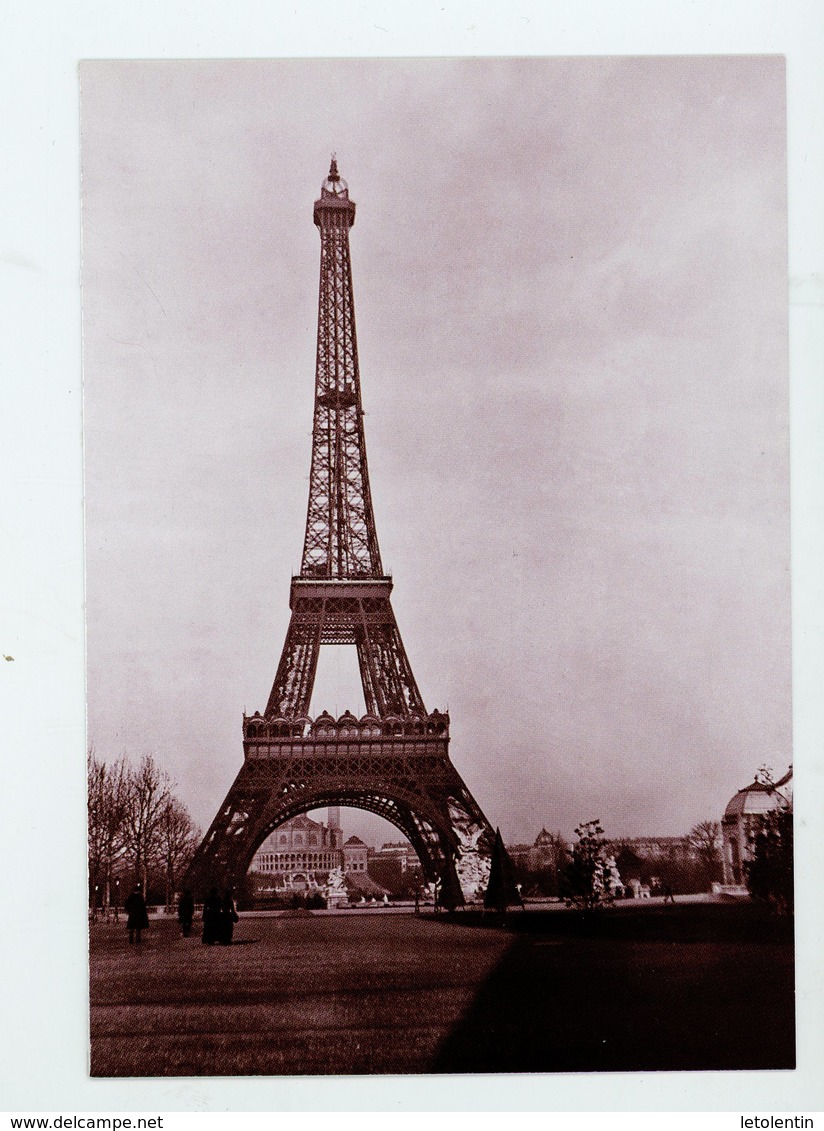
[[699, 987], [681, 923]]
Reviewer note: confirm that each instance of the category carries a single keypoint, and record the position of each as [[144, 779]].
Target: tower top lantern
[[334, 209]]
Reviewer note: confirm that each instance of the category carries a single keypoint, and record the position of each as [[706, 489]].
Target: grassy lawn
[[297, 995], [676, 988]]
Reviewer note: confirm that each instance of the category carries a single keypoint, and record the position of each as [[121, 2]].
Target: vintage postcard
[[438, 566]]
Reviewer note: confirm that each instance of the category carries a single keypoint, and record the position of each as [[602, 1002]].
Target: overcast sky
[[570, 285]]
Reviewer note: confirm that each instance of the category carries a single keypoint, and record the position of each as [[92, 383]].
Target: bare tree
[[135, 818], [107, 801], [148, 795], [178, 837], [705, 841], [95, 804]]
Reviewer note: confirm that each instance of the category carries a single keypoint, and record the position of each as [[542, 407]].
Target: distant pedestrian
[[668, 896], [228, 918], [211, 918], [186, 913], [138, 916]]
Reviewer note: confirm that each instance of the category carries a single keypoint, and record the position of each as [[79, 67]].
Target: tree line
[[594, 870], [139, 831], [559, 865]]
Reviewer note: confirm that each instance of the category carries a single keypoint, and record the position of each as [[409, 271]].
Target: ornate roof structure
[[760, 797]]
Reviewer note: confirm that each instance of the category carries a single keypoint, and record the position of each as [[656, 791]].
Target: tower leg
[[295, 678]]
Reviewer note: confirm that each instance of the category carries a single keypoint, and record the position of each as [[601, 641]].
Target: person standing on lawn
[[228, 918], [186, 913], [138, 916]]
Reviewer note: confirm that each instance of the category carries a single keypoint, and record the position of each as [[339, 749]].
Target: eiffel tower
[[394, 761]]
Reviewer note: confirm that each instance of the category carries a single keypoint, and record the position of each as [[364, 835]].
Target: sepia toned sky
[[570, 286]]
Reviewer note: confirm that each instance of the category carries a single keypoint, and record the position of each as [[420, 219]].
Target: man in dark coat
[[186, 913], [138, 916]]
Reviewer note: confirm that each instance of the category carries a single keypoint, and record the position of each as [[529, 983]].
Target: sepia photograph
[[437, 551]]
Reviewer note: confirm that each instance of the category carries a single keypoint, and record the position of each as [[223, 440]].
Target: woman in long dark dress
[[186, 913], [228, 917], [211, 918], [138, 916]]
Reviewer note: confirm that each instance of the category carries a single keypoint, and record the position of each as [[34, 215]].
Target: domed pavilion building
[[741, 820]]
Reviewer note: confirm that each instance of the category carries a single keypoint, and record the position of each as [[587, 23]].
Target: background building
[[676, 848], [396, 867], [355, 855], [300, 853]]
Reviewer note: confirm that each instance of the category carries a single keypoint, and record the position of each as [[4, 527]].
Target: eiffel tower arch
[[393, 761]]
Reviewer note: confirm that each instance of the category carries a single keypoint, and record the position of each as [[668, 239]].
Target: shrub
[[589, 878], [769, 872]]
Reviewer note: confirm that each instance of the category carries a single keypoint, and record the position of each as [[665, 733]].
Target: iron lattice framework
[[394, 761]]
